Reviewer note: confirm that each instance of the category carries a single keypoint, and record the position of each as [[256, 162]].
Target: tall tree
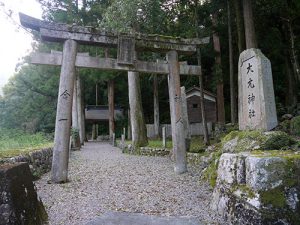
[[138, 127], [250, 35], [202, 105], [239, 24], [233, 99], [218, 72]]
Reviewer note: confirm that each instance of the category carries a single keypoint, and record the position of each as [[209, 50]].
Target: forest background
[[29, 99]]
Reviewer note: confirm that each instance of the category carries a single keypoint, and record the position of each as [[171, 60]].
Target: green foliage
[[14, 142], [75, 132], [295, 125], [277, 140], [197, 146]]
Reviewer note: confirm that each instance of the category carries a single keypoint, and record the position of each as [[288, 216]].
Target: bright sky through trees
[[15, 42]]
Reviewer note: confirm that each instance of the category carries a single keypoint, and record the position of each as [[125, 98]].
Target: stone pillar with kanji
[[257, 110]]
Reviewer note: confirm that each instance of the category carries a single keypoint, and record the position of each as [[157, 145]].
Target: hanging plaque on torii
[[128, 45]]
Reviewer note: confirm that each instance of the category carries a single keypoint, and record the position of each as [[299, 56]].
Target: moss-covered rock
[[295, 126], [260, 187], [19, 203], [243, 141]]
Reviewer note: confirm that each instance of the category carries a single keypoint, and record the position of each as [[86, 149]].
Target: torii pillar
[[177, 124], [59, 171]]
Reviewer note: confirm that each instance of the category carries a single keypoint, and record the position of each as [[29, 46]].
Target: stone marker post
[[114, 139], [129, 126], [123, 142], [59, 172], [164, 136], [185, 119], [178, 139], [257, 108], [124, 132]]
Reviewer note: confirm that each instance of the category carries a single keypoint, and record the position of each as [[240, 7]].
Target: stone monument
[[257, 110]]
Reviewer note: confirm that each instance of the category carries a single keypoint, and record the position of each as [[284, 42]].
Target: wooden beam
[[58, 32], [85, 61]]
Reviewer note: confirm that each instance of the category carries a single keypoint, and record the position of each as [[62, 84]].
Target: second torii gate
[[127, 45]]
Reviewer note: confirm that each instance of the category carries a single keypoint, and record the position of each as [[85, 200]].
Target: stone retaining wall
[[39, 161], [154, 151]]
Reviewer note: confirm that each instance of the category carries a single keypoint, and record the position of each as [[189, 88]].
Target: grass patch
[[16, 142], [157, 143]]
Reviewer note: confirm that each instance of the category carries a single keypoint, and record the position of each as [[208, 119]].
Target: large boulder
[[258, 188], [19, 203]]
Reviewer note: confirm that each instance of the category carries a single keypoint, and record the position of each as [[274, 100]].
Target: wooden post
[[124, 132], [123, 142], [94, 132], [59, 172], [178, 138], [164, 137], [74, 106], [114, 139], [80, 110], [156, 106], [75, 118], [111, 107], [129, 126], [185, 119]]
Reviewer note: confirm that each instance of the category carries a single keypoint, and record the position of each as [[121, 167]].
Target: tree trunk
[[292, 50], [218, 74], [291, 95], [59, 171], [239, 25], [138, 127], [111, 107], [233, 100], [249, 25], [156, 106], [202, 105]]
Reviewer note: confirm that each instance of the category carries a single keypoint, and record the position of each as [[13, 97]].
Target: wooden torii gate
[[127, 44]]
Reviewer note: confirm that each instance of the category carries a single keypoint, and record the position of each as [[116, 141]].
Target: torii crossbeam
[[128, 45]]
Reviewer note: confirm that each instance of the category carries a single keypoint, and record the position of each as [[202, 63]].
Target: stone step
[[124, 218]]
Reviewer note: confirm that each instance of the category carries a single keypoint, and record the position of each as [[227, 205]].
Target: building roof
[[195, 91], [100, 112]]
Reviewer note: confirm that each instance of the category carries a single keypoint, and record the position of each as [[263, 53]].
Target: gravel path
[[103, 179]]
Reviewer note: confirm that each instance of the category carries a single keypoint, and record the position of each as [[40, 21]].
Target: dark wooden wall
[[194, 110]]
